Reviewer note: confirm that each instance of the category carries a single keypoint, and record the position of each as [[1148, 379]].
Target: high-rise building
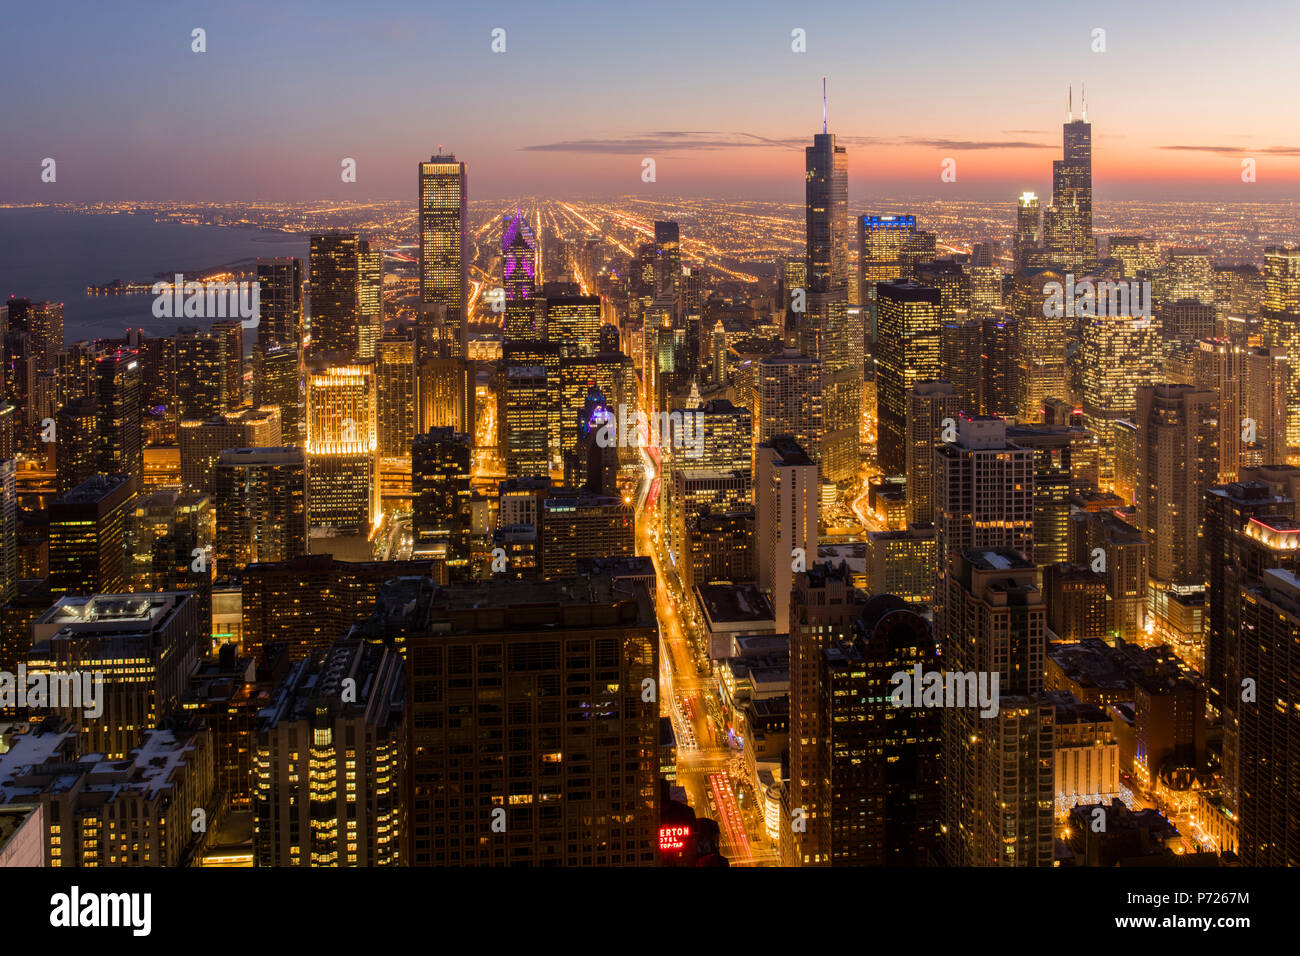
[[577, 526], [202, 442], [395, 396], [668, 260], [278, 381], [203, 361], [929, 404], [788, 401], [575, 653], [342, 490], [1178, 461], [1269, 732], [1125, 556], [826, 199], [88, 528], [999, 789], [329, 751], [261, 504], [279, 302], [444, 247], [77, 451], [1068, 221], [573, 321], [1065, 464], [145, 646], [1029, 230], [370, 300], [335, 292], [525, 421], [119, 425], [440, 473], [983, 493], [907, 352], [1117, 355], [785, 519]]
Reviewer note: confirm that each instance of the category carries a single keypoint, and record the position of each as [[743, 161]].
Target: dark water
[[54, 255]]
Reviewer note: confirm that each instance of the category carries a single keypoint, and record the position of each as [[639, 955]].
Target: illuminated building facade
[[444, 243], [202, 442], [88, 528], [907, 352], [341, 447], [261, 505], [279, 300]]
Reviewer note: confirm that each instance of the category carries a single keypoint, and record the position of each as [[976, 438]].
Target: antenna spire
[[1083, 95], [823, 104], [1069, 116]]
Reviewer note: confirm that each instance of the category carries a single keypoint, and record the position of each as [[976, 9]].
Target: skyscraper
[[1068, 222], [88, 528], [335, 284], [826, 198], [785, 519], [440, 521], [1029, 230], [342, 491], [907, 352], [279, 302], [929, 403], [1178, 461], [788, 400], [395, 366], [119, 426], [668, 261], [444, 242], [261, 505]]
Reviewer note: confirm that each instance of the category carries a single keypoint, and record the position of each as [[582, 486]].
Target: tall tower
[[1069, 220], [1029, 229], [444, 240], [928, 404], [519, 277], [668, 261], [826, 191], [785, 519], [279, 302], [117, 394], [335, 278], [907, 352], [342, 446]]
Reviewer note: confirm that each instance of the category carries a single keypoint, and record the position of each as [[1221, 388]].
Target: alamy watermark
[[207, 300], [1088, 299], [946, 689], [67, 690], [623, 428]]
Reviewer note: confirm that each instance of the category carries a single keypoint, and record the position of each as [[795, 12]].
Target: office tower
[[1249, 528], [832, 334], [444, 247], [573, 321], [1280, 315], [693, 492], [117, 393], [145, 645], [335, 266], [929, 403], [1068, 221], [370, 300], [907, 352], [518, 259], [961, 348], [1124, 554], [889, 249], [43, 324], [278, 382], [792, 280], [577, 526], [1044, 337], [1117, 355], [525, 421], [261, 503], [898, 784], [668, 260], [1266, 379], [787, 400], [202, 373], [577, 650], [715, 445], [306, 602], [279, 302], [953, 282], [1269, 733], [202, 442], [1065, 465], [820, 611], [985, 290], [444, 393], [88, 528], [826, 197], [785, 519], [1029, 230], [329, 748], [440, 474], [342, 490], [999, 352], [231, 332], [1178, 459], [77, 452], [983, 493], [1076, 602], [592, 465], [395, 396], [1188, 320], [998, 789]]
